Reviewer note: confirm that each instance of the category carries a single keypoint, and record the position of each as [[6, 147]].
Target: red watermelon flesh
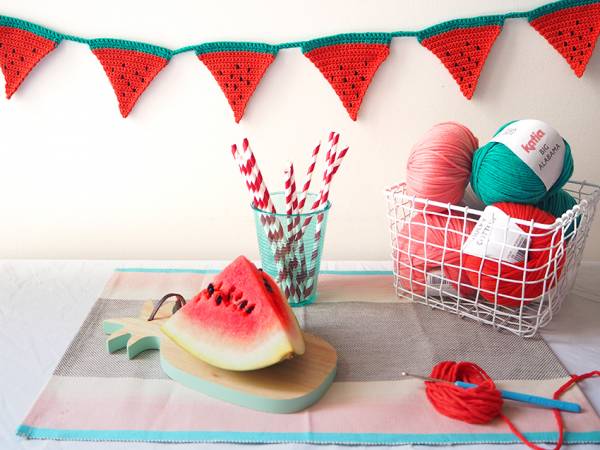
[[130, 72], [572, 32], [238, 74], [463, 52], [241, 321], [20, 51], [349, 68]]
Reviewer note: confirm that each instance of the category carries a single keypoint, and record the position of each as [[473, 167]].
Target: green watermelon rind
[[6, 21], [451, 25], [347, 38], [141, 47], [557, 6], [228, 46]]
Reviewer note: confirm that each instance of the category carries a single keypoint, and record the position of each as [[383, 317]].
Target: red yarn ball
[[502, 281], [425, 242], [476, 405]]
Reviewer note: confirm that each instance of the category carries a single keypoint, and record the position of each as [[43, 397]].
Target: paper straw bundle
[[286, 242]]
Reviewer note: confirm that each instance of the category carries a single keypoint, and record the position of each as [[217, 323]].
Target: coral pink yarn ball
[[430, 242], [502, 281], [439, 165]]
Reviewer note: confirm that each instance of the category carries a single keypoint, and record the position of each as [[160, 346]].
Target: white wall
[[78, 181]]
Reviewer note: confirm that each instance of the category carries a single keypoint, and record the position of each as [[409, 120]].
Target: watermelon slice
[[463, 46], [241, 321], [130, 67], [571, 29], [349, 62], [238, 67], [22, 46]]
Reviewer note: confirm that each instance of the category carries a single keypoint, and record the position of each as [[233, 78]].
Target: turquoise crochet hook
[[543, 402]]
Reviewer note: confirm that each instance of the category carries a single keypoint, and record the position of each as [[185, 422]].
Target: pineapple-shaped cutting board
[[289, 386]]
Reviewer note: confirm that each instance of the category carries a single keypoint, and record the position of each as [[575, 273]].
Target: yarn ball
[[557, 204], [439, 165], [427, 243], [502, 281], [499, 175], [476, 405]]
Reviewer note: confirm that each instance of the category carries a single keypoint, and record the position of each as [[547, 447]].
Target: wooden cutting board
[[286, 387]]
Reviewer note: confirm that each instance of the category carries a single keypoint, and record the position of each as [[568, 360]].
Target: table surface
[[43, 304]]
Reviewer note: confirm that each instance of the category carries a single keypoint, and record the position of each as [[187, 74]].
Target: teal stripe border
[[591, 437], [131, 45], [310, 44], [557, 6], [215, 271]]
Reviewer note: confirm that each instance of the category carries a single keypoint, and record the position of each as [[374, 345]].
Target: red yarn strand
[[482, 404]]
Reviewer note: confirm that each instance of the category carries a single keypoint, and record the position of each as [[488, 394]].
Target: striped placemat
[[93, 395]]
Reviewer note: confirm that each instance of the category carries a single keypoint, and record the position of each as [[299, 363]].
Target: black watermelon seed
[[18, 72], [341, 67], [231, 76], [123, 94], [350, 104], [22, 59], [249, 309], [226, 85], [267, 285], [122, 77], [355, 72], [240, 96], [477, 47], [247, 82], [112, 70], [345, 80], [0, 44], [220, 72], [235, 87], [241, 79], [455, 64], [574, 48], [134, 90], [565, 43], [146, 67], [353, 86], [460, 80], [237, 66], [260, 269], [577, 22], [447, 53], [210, 289], [243, 304], [128, 83], [123, 65], [34, 50], [219, 300], [248, 70], [142, 79], [234, 102], [363, 78], [560, 33], [14, 51], [572, 33], [136, 73]]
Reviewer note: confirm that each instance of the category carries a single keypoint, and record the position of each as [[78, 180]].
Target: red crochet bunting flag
[[130, 67], [572, 28], [238, 67], [463, 46], [22, 46], [349, 62]]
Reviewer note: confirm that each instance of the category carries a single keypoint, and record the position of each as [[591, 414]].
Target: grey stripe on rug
[[374, 341]]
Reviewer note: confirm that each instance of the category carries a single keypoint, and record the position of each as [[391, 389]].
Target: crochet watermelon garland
[[463, 46], [238, 67], [572, 28], [130, 67], [349, 62], [22, 46]]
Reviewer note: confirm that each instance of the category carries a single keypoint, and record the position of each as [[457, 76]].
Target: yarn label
[[496, 236], [538, 145]]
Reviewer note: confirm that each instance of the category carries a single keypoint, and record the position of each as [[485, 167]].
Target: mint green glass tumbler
[[290, 247]]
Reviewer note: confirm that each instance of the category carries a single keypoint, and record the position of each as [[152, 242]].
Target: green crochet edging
[[553, 7], [306, 46], [131, 45], [455, 24], [347, 38], [257, 47], [6, 21]]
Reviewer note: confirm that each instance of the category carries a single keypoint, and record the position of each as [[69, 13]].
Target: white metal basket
[[425, 279]]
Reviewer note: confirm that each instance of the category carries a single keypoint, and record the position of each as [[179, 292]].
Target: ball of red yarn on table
[[501, 281], [439, 165], [425, 242], [476, 405]]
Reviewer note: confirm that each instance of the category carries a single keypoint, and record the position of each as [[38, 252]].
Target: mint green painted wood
[[287, 387]]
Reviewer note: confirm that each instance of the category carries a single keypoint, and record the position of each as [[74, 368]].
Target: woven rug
[[97, 396]]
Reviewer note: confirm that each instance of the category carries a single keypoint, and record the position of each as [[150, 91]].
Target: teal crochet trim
[[306, 46], [131, 45], [347, 38], [553, 7], [6, 21], [455, 24], [257, 47]]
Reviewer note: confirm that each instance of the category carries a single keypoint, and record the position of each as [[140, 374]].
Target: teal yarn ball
[[499, 175], [557, 204]]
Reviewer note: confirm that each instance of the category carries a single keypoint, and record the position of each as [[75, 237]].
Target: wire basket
[[424, 272]]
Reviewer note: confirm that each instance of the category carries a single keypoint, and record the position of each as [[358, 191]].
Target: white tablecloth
[[43, 303]]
